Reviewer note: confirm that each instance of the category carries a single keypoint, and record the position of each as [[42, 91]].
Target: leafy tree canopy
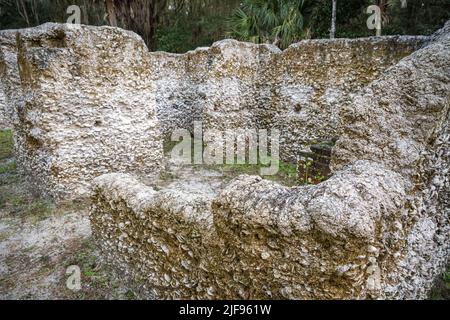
[[181, 25]]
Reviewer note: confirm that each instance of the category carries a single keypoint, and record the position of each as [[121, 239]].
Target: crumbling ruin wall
[[228, 86], [236, 85], [216, 85], [157, 239], [409, 133], [258, 241], [87, 104], [175, 91], [9, 78], [88, 107], [378, 228], [313, 79], [4, 121]]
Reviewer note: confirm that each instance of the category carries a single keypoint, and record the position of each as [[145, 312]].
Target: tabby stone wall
[[87, 107], [378, 228], [4, 121], [89, 104], [299, 91], [83, 109], [9, 77]]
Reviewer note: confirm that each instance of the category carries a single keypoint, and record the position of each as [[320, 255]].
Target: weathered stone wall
[[4, 121], [216, 85], [298, 91], [378, 228], [176, 96], [227, 86], [312, 80], [88, 107], [85, 102], [259, 240], [9, 77], [408, 110]]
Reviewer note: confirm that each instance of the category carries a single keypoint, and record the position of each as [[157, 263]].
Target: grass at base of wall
[[97, 279], [14, 196], [441, 288], [6, 144]]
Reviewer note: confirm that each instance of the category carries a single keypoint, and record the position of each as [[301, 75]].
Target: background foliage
[[181, 25]]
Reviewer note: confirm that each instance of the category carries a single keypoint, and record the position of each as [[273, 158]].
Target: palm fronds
[[280, 22]]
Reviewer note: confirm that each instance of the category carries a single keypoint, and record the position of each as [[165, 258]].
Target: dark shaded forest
[[182, 25]]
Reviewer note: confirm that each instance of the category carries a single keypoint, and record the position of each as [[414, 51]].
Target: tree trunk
[[111, 12], [23, 11], [383, 7], [333, 20]]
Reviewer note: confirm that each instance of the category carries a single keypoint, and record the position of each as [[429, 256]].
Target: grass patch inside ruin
[[168, 145], [286, 174]]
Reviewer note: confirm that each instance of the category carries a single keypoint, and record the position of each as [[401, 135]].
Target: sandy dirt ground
[[39, 241]]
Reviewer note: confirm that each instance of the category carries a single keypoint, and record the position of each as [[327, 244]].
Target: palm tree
[[280, 22]]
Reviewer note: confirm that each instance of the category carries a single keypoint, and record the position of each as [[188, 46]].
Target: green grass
[[286, 175], [6, 144], [87, 260], [446, 277], [97, 280], [8, 167], [12, 197], [168, 145], [441, 288], [130, 295], [38, 210], [26, 207]]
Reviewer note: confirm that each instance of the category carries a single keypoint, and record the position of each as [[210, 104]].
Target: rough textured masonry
[[9, 75], [378, 228], [88, 101], [298, 91], [4, 121], [86, 107]]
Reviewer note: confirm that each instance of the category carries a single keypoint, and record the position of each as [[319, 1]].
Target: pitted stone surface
[[87, 107], [298, 91], [9, 75], [228, 86], [378, 228], [88, 103]]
